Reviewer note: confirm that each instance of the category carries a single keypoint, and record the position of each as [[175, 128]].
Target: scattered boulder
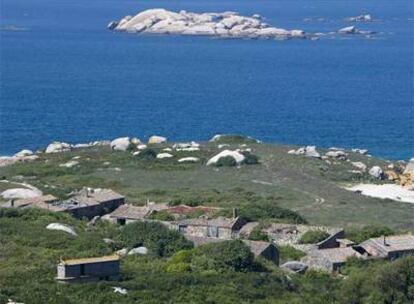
[[157, 140], [108, 241], [138, 250], [135, 141], [57, 147], [69, 164], [122, 252], [141, 147], [338, 154], [62, 227], [295, 266], [237, 156], [164, 155], [360, 151], [360, 166], [409, 169], [24, 153], [309, 151], [189, 160], [120, 144], [360, 18], [120, 290], [20, 193], [348, 30], [376, 172]]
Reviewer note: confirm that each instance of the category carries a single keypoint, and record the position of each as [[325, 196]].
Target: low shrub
[[226, 161], [313, 236], [370, 231]]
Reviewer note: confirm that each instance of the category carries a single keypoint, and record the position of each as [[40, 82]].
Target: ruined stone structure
[[389, 247], [331, 259], [88, 269], [221, 227]]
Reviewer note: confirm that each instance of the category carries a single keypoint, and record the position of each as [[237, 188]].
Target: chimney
[[235, 212], [384, 240]]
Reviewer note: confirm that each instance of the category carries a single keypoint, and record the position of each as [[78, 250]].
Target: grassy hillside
[[309, 186]]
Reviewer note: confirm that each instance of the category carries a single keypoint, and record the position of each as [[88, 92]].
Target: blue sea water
[[68, 78]]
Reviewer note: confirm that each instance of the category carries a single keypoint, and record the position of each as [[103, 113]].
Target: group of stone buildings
[[330, 254]]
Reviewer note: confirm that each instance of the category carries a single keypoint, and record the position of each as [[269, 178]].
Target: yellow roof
[[108, 258]]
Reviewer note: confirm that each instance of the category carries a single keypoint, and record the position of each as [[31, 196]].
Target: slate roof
[[131, 212], [86, 199], [337, 255], [221, 222], [34, 200], [257, 247], [376, 246], [102, 259]]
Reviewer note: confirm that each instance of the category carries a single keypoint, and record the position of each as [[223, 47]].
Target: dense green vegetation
[[215, 273], [371, 231], [313, 236]]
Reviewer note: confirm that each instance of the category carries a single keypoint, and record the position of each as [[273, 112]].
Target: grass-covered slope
[[309, 186]]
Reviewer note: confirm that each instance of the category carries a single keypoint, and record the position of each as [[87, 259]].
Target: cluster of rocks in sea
[[226, 24]]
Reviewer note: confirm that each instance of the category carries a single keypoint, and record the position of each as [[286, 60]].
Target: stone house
[[263, 249], [89, 203], [221, 227], [127, 213], [88, 269], [331, 259], [259, 249], [388, 247]]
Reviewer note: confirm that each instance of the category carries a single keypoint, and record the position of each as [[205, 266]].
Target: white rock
[[360, 166], [138, 250], [336, 154], [376, 172], [272, 31], [69, 164], [61, 227], [122, 252], [348, 30], [135, 141], [199, 30], [141, 147], [20, 193], [120, 290], [310, 151], [57, 147], [238, 157], [167, 149], [360, 151], [120, 144], [157, 140], [409, 169], [164, 155], [361, 18], [23, 153], [189, 160]]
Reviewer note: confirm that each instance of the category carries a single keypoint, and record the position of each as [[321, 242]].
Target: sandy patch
[[386, 191]]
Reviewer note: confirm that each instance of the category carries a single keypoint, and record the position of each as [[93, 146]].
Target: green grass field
[[309, 186]]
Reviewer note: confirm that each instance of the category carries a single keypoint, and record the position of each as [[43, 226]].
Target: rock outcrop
[[238, 157], [120, 144], [155, 139], [188, 160], [226, 24], [376, 172], [20, 193], [61, 227], [360, 18], [309, 151], [57, 147]]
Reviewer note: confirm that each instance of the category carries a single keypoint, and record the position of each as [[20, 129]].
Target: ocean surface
[[64, 76]]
